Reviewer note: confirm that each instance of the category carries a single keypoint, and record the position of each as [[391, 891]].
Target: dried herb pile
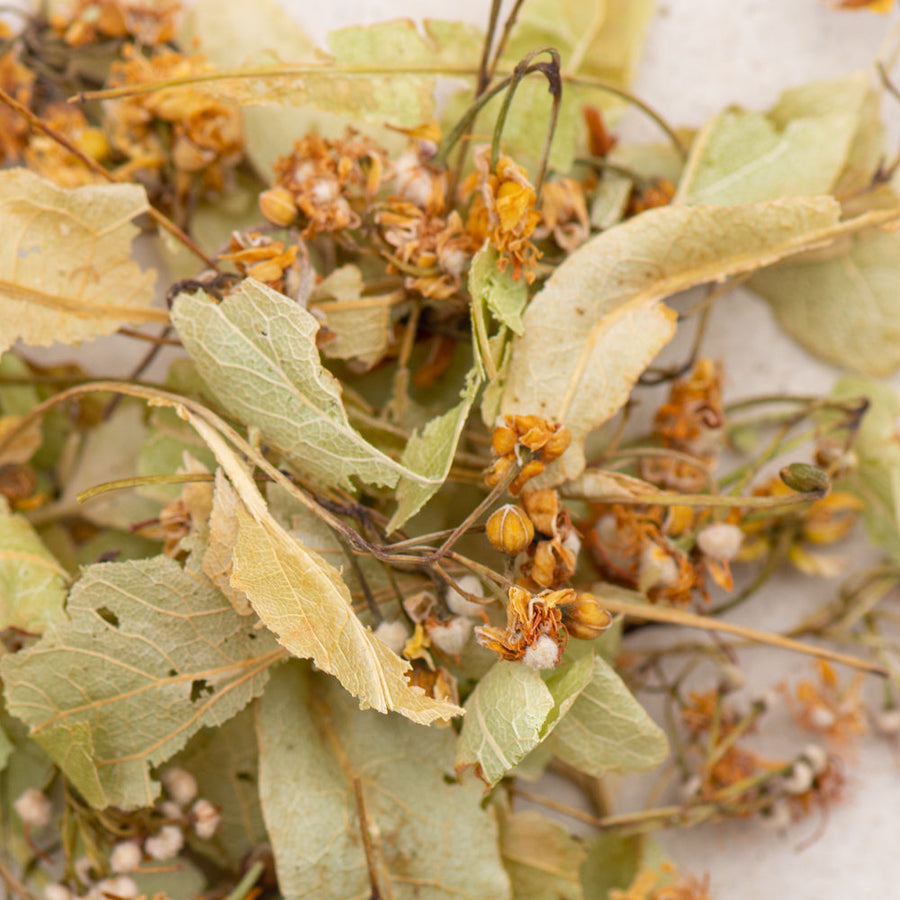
[[365, 537]]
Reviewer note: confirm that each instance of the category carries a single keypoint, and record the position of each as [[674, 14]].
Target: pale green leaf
[[66, 272], [430, 454], [6, 748], [597, 323], [800, 147], [842, 304], [512, 710], [150, 656], [504, 297], [257, 353], [541, 857], [360, 327], [330, 774], [876, 479], [305, 602], [32, 582], [225, 762], [611, 862], [607, 730]]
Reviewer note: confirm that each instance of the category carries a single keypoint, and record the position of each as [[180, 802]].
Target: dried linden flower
[[509, 530], [450, 637], [395, 634], [206, 818], [125, 857], [180, 785], [721, 541], [542, 654], [165, 844], [457, 604]]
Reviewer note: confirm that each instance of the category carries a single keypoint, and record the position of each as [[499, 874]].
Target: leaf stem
[[244, 886]]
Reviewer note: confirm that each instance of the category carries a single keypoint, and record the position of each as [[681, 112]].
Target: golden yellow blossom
[[18, 82], [91, 21], [829, 710], [46, 157]]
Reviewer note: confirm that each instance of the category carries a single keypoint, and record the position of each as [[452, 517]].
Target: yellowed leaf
[[218, 561], [66, 272]]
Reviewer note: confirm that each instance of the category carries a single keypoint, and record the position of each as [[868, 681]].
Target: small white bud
[[395, 634], [120, 886], [170, 809], [125, 857], [800, 779], [451, 637], [817, 757], [34, 808], [720, 541], [888, 721], [58, 892], [84, 869], [777, 817], [572, 543], [607, 529], [206, 818], [542, 654], [658, 568], [457, 604], [767, 700], [731, 678], [691, 787], [165, 844], [821, 717], [180, 785]]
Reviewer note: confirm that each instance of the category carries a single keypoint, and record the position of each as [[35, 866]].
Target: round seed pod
[[278, 206], [510, 530]]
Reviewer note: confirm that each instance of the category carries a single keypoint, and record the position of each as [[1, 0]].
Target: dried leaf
[[541, 857], [218, 557], [304, 601], [607, 730], [843, 305], [32, 582], [430, 454], [876, 480], [66, 272], [330, 774], [150, 656], [597, 323], [512, 710], [257, 353], [800, 147]]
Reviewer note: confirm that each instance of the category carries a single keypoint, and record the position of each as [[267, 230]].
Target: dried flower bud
[[121, 886], [805, 478], [503, 440], [165, 844], [658, 568], [180, 785], [530, 470], [125, 857], [34, 808], [720, 541], [277, 205], [394, 634], [542, 507], [585, 619], [557, 444], [206, 818], [542, 654], [450, 637], [457, 604], [498, 470], [509, 530]]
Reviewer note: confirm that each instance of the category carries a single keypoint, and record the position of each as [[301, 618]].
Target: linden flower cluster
[[197, 135], [511, 440], [17, 81], [537, 625]]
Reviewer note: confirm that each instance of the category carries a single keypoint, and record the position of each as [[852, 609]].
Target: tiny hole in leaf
[[108, 616], [199, 687]]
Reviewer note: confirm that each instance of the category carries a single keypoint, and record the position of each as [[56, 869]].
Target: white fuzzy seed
[[451, 637], [658, 568], [800, 779], [166, 844], [888, 721], [84, 869], [720, 541], [125, 857], [457, 604], [779, 816], [180, 785], [395, 634], [120, 886], [58, 892], [822, 717], [206, 818], [34, 808], [817, 757], [542, 654]]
